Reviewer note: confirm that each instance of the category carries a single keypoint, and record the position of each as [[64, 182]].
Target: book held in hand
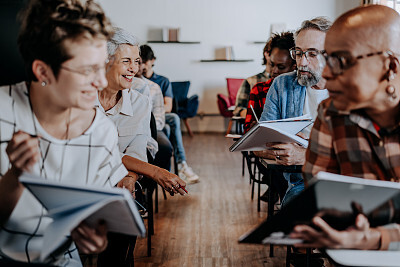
[[337, 199], [68, 205], [281, 131]]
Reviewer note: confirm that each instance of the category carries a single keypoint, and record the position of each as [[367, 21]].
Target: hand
[[23, 151], [90, 240], [359, 236], [287, 153], [128, 182], [170, 182], [265, 154]]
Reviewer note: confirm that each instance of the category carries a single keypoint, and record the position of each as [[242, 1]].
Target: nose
[[275, 70], [303, 61], [327, 73], [100, 80]]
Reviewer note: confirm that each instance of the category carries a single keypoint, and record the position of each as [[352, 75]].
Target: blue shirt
[[164, 83], [285, 98]]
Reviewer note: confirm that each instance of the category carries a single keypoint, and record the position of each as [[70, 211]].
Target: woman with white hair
[[130, 112]]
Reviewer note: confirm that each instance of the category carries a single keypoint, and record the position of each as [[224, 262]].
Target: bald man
[[357, 129]]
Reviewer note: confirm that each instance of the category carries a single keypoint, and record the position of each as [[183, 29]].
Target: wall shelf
[[226, 60], [259, 42], [178, 42]]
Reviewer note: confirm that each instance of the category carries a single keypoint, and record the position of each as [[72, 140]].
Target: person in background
[[165, 149], [50, 128], [172, 119], [280, 62], [357, 129], [297, 93], [242, 97]]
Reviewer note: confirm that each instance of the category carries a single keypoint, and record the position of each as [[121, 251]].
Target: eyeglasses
[[297, 53], [343, 60], [86, 71]]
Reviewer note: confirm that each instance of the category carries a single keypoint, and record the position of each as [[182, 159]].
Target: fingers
[[302, 135], [23, 151], [172, 183], [128, 182], [90, 240], [362, 222]]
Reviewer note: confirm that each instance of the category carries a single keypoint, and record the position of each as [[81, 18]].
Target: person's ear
[[42, 71]]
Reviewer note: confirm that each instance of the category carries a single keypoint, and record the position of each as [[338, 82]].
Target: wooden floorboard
[[202, 229]]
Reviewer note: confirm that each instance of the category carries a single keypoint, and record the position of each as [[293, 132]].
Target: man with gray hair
[[295, 94]]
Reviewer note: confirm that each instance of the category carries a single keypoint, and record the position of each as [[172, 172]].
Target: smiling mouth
[[128, 77]]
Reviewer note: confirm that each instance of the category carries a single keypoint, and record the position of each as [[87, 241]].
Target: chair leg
[[288, 255], [156, 199], [188, 127], [229, 126], [258, 197], [243, 162]]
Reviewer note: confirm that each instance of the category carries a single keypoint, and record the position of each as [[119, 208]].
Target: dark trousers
[[164, 154]]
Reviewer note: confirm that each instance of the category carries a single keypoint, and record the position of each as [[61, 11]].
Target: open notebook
[[283, 131], [329, 195], [68, 205]]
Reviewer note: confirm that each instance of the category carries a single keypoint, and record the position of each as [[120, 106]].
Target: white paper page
[[375, 258], [120, 217]]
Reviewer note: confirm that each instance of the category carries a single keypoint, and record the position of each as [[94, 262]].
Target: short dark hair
[[146, 53], [46, 24], [284, 41]]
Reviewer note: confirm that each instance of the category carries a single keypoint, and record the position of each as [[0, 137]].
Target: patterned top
[[92, 158], [242, 97], [257, 98], [349, 143], [157, 104]]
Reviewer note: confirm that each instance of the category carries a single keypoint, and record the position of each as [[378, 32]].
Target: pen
[[254, 113], [183, 188]]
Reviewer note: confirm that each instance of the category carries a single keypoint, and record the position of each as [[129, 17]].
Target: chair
[[226, 104], [185, 107]]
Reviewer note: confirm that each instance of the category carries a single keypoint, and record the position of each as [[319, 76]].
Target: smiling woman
[[49, 126]]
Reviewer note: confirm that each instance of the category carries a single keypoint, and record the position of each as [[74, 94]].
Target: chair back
[[233, 85], [180, 90]]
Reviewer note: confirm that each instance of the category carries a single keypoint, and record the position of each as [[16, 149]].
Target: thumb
[[362, 222]]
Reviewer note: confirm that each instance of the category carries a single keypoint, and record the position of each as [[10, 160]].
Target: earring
[[44, 83], [390, 89], [391, 92]]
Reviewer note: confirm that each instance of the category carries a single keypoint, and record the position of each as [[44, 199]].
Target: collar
[[124, 108]]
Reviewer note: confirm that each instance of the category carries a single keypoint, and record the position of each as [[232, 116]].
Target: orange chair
[[226, 104]]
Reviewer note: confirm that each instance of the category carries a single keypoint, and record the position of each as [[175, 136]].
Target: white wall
[[215, 23]]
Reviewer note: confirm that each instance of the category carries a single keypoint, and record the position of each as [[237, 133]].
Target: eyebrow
[[308, 49]]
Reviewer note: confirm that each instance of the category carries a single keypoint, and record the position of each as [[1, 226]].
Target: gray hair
[[120, 37], [319, 23]]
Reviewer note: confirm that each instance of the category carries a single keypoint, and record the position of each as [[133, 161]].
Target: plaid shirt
[[349, 143], [257, 97], [242, 96]]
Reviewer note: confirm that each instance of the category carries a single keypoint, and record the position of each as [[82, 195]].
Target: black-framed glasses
[[340, 61], [310, 54]]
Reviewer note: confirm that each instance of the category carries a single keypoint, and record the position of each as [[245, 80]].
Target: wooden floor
[[202, 229]]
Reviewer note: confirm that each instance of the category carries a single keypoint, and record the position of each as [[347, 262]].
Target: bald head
[[369, 28]]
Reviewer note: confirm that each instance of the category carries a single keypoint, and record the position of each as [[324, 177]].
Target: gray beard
[[307, 81]]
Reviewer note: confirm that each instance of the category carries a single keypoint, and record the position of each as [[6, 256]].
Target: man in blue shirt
[[172, 120], [297, 93]]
